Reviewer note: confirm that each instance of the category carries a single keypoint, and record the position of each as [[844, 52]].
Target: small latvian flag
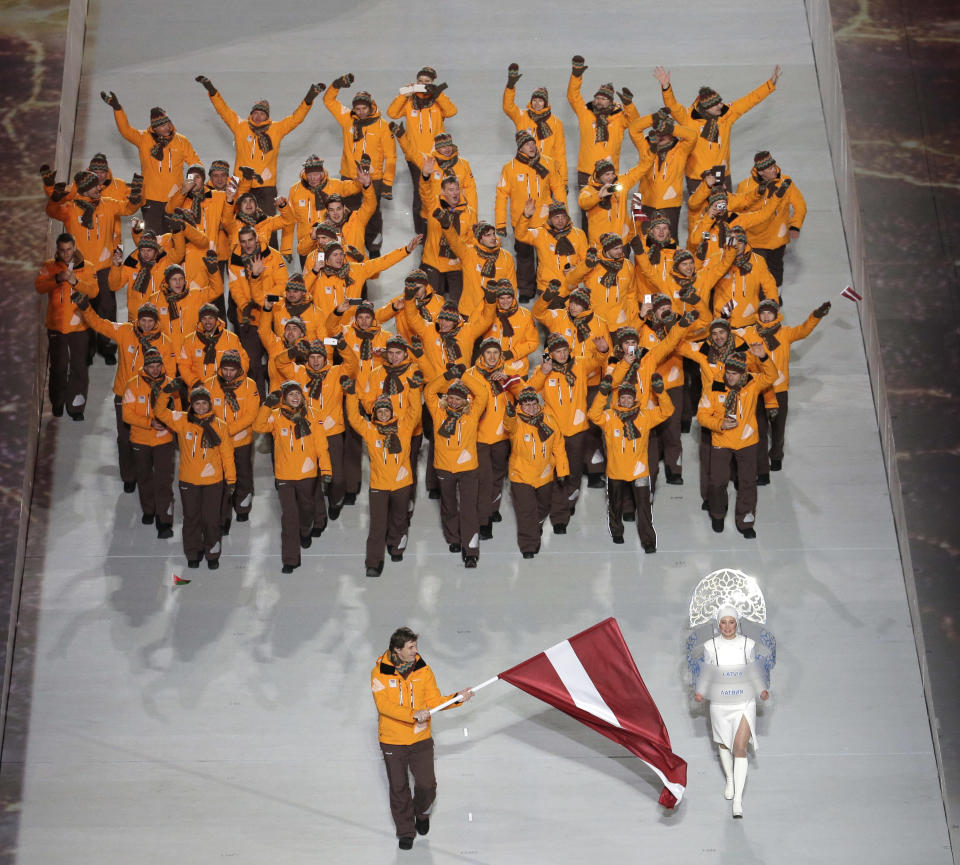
[[180, 581], [851, 294]]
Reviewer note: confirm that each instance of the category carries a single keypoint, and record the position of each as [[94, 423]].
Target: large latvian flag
[[592, 677]]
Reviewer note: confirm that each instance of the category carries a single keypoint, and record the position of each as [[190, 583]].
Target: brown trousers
[[665, 440], [389, 510], [771, 432], [401, 762], [296, 516], [338, 487], [745, 509], [565, 495], [242, 499], [531, 506], [449, 284], [201, 520], [493, 472], [69, 377], [154, 469], [250, 340], [458, 509], [637, 495], [352, 460], [594, 454], [128, 471]]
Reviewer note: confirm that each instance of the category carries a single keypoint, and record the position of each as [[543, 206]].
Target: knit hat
[[296, 283], [398, 341], [768, 303], [148, 240], [199, 392], [523, 136], [416, 277], [449, 313], [328, 228], [85, 181], [627, 387], [429, 71], [736, 362], [557, 340], [626, 333], [581, 295], [762, 159], [718, 194], [290, 385], [442, 139], [658, 217], [727, 609], [152, 355], [313, 163], [149, 310], [317, 347], [458, 388], [503, 288], [490, 342], [98, 163], [219, 165], [364, 97], [197, 168], [261, 105], [208, 309], [365, 306], [481, 227], [158, 117], [296, 321], [606, 90], [556, 207], [334, 196], [682, 255], [171, 269], [720, 324], [601, 166], [231, 357], [658, 300], [528, 394], [331, 247], [542, 93], [608, 240], [707, 98], [738, 233], [382, 402]]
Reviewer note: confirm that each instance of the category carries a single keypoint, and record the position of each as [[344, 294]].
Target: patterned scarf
[[661, 149], [655, 247], [366, 341], [602, 117], [563, 245], [446, 164], [146, 340], [142, 279], [742, 262], [444, 248], [391, 433], [720, 223], [582, 324], [612, 268], [719, 354], [710, 131], [393, 384], [209, 439], [661, 327], [423, 306], [210, 341], [402, 669], [627, 418], [298, 417], [230, 390], [252, 219], [315, 381], [566, 370], [534, 163], [343, 273], [449, 425], [450, 345], [486, 372], [196, 197], [422, 101], [360, 124], [733, 396], [768, 334], [159, 144], [489, 256], [537, 421], [89, 207], [298, 309], [260, 133], [319, 196], [156, 385], [541, 118], [506, 327], [172, 300]]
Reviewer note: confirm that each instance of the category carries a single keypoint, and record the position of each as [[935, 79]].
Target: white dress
[[725, 717]]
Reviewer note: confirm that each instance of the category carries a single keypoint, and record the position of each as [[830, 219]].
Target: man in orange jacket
[[539, 121], [405, 690], [67, 334], [560, 246]]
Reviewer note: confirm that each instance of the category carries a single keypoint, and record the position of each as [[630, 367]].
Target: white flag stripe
[[578, 683], [672, 786]]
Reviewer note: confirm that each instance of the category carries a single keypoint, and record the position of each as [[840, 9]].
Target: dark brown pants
[[771, 434], [153, 216], [128, 471], [705, 450], [337, 488], [430, 481], [250, 340], [296, 516], [594, 454], [531, 506], [745, 509], [637, 495], [154, 468], [352, 459], [582, 180], [526, 258], [774, 260], [565, 495], [401, 762], [242, 499], [419, 223], [201, 520], [493, 472], [458, 509], [388, 523], [69, 377], [448, 284], [665, 439]]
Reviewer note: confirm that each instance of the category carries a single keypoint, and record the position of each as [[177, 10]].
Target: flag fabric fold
[[592, 677]]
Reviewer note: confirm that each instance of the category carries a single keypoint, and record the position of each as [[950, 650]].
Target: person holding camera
[[606, 199]]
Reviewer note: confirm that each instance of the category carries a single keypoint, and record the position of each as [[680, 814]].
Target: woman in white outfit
[[734, 724]]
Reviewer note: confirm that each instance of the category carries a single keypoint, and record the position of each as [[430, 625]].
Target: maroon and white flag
[[592, 677], [850, 293]]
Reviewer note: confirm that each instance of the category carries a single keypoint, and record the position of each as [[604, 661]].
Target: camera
[[273, 298]]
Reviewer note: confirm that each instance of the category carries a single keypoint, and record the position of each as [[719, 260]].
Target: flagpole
[[458, 698]]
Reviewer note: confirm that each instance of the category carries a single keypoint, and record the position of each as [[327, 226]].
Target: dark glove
[[246, 172], [410, 292], [689, 317], [111, 99], [772, 414], [579, 66], [454, 371], [656, 383], [79, 299], [211, 261], [175, 385], [508, 355], [415, 380], [326, 480], [435, 90], [606, 384], [396, 129], [416, 346], [513, 75], [175, 223], [347, 384], [501, 232], [822, 310], [386, 190], [364, 163], [303, 347], [510, 410], [48, 175], [314, 91], [272, 399], [552, 291], [626, 96], [207, 83], [444, 217], [341, 345], [490, 293], [343, 81], [136, 189], [59, 192], [591, 258]]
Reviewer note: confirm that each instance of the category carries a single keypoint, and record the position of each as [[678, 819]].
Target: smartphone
[[193, 178], [354, 301], [648, 298], [631, 350], [329, 340], [273, 298], [321, 258]]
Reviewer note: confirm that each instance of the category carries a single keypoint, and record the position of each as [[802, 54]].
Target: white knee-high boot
[[726, 760], [739, 779]]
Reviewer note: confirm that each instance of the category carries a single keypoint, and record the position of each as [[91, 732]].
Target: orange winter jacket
[[568, 403], [199, 465], [518, 182], [212, 205], [737, 202], [97, 242], [323, 392], [518, 346], [492, 428], [421, 124], [550, 263], [247, 292], [705, 239], [534, 461], [161, 177], [778, 345], [370, 136], [248, 150], [311, 315], [559, 321], [616, 304], [329, 289], [186, 308], [302, 202], [344, 327], [425, 309], [458, 451], [712, 410], [789, 213], [472, 264], [626, 457], [621, 121], [436, 250], [458, 167], [398, 697], [265, 227], [199, 357], [612, 214], [653, 355], [746, 290], [553, 145], [706, 153], [62, 314], [295, 459], [388, 471], [662, 184], [239, 420], [140, 396], [436, 357]]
